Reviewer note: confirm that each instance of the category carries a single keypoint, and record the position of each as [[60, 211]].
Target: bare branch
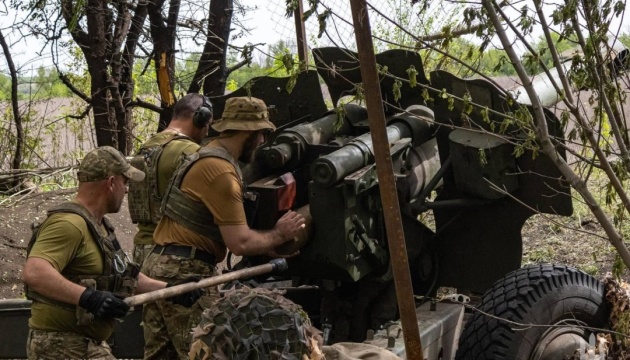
[[17, 156], [83, 114], [64, 79], [238, 65], [146, 105], [455, 33]]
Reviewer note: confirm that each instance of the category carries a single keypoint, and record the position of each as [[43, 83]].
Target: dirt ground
[[575, 240], [15, 232]]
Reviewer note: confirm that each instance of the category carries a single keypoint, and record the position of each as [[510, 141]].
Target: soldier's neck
[[92, 202], [232, 145]]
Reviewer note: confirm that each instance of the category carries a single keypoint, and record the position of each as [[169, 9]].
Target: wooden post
[[387, 184], [300, 32]]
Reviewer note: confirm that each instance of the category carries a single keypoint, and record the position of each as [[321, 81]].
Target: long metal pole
[[274, 265], [300, 33], [387, 184]]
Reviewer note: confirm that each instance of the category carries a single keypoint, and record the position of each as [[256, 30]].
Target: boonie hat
[[244, 113], [105, 161]]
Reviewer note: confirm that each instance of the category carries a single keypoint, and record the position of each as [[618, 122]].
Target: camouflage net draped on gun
[[248, 324]]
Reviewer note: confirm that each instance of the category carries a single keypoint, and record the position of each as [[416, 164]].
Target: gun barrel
[[292, 142], [331, 168], [414, 124], [617, 58], [543, 86]]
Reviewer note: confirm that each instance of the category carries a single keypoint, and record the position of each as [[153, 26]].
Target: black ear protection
[[203, 115]]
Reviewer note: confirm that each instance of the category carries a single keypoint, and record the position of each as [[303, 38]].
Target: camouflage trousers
[[140, 253], [65, 345], [167, 326]]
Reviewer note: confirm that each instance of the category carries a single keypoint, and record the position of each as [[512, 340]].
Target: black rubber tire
[[535, 294]]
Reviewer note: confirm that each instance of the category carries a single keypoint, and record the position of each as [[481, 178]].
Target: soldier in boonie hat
[[105, 161], [204, 217], [245, 114]]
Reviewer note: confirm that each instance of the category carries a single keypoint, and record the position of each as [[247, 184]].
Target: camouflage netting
[[618, 297], [248, 324]]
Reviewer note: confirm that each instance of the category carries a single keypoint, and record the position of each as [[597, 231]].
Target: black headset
[[203, 115]]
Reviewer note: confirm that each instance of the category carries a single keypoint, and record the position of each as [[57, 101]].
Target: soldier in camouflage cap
[[105, 161], [76, 273]]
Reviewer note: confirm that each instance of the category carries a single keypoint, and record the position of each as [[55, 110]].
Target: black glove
[[189, 298], [103, 304]]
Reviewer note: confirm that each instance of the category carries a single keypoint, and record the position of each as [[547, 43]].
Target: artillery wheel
[[541, 294]]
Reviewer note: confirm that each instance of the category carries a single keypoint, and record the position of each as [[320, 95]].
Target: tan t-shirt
[[215, 183], [66, 243], [167, 164]]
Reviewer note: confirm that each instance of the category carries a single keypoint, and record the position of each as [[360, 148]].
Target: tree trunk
[[126, 83], [163, 35], [212, 72], [108, 25], [19, 133]]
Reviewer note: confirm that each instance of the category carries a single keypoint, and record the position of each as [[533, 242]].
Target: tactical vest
[[144, 196], [119, 276], [194, 215]]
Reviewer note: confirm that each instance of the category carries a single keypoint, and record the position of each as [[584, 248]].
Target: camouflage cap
[[244, 113], [105, 161]]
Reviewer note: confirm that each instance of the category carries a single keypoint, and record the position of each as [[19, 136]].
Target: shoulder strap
[[166, 140], [144, 197], [107, 244], [189, 213], [221, 153]]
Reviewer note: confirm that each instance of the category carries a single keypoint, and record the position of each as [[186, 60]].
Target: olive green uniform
[[65, 241], [166, 165]]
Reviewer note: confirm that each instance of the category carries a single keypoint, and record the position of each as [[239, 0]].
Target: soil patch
[[15, 233]]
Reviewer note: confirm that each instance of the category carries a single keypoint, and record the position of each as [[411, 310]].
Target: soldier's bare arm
[[43, 278]]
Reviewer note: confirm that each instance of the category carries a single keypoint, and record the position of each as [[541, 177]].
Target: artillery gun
[[451, 165], [452, 160]]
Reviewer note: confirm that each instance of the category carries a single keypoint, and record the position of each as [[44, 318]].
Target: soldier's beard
[[249, 147]]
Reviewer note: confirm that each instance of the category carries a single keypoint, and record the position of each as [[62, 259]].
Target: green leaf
[[396, 90], [483, 160], [321, 19], [79, 9], [412, 72], [340, 112]]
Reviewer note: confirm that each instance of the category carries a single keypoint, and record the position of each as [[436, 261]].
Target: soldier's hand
[[290, 225], [103, 304], [189, 298]]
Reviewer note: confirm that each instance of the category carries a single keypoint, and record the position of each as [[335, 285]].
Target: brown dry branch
[[44, 175], [547, 144]]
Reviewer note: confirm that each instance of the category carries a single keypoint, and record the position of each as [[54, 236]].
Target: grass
[[578, 240]]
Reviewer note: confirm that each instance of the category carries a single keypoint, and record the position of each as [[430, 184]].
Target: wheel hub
[[560, 343]]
